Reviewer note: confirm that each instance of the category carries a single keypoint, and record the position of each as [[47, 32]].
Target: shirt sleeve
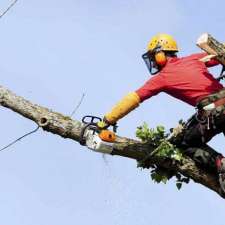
[[210, 63], [152, 87]]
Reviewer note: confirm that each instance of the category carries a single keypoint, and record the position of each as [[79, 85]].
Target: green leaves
[[179, 185], [157, 177], [168, 150], [157, 137], [164, 149], [180, 180], [147, 134], [159, 174]]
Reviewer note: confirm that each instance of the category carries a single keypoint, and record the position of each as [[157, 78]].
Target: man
[[189, 80]]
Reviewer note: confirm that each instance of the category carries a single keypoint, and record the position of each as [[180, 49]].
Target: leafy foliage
[[158, 138], [164, 149], [147, 134]]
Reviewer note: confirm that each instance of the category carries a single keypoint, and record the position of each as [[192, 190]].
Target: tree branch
[[66, 127]]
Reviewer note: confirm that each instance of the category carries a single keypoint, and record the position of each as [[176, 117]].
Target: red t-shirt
[[187, 79]]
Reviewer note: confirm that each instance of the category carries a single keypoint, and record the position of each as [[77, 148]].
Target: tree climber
[[189, 80]]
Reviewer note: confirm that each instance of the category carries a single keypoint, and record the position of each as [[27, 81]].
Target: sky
[[54, 51]]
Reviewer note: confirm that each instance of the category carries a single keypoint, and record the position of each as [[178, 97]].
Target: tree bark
[[66, 127], [210, 45]]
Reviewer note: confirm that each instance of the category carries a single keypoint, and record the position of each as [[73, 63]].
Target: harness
[[211, 99], [209, 109], [211, 106]]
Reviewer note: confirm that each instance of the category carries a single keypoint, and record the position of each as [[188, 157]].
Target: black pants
[[195, 139]]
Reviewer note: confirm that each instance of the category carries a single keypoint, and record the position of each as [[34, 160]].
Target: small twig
[[78, 105], [18, 139], [9, 7]]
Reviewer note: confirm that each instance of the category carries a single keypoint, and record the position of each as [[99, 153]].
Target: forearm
[[132, 100], [123, 107]]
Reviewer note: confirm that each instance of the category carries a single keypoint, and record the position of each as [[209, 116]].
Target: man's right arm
[[132, 100], [128, 103]]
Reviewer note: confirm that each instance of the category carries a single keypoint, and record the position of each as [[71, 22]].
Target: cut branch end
[[43, 122]]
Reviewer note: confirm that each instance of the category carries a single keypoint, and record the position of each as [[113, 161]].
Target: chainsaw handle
[[91, 119], [91, 122], [88, 121]]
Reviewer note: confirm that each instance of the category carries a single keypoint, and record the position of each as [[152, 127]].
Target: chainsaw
[[95, 136]]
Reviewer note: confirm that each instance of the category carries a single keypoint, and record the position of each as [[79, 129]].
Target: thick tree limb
[[210, 45], [66, 127]]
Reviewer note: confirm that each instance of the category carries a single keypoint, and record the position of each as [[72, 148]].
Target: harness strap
[[208, 110], [215, 97]]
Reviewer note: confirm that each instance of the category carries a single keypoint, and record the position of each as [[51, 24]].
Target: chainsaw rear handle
[[91, 119], [88, 121], [92, 122]]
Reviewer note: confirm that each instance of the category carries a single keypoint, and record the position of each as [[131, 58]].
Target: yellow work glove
[[122, 108], [103, 125]]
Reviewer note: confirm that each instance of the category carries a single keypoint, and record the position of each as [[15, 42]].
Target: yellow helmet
[[165, 41]]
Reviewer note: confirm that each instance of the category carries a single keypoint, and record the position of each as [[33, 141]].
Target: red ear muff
[[160, 58]]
